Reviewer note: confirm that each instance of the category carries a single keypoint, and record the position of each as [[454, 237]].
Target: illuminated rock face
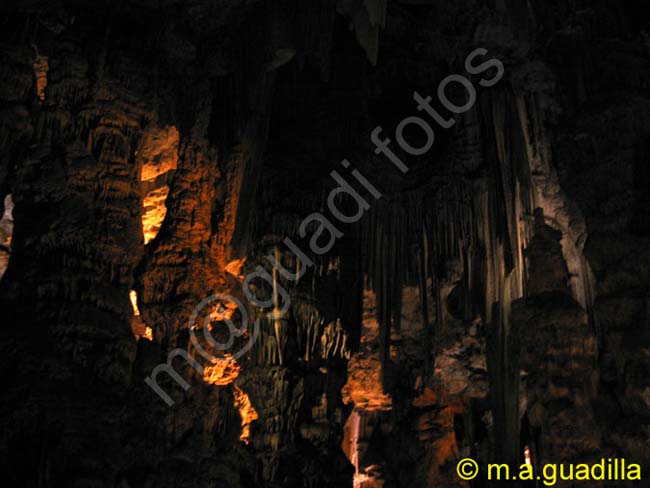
[[364, 388], [158, 155], [139, 328], [159, 152], [154, 211], [246, 411], [224, 372], [433, 400]]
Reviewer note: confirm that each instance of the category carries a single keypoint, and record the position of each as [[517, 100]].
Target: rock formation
[[162, 162]]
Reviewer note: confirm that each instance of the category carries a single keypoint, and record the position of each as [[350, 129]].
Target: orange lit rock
[[246, 411], [148, 333], [139, 328], [364, 386], [222, 372], [428, 398], [41, 66], [154, 211], [235, 266], [134, 302], [157, 154], [223, 311]]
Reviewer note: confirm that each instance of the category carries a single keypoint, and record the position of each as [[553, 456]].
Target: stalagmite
[[367, 17]]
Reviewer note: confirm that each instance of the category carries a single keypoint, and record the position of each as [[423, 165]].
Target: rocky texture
[[161, 151], [158, 157], [559, 354], [364, 387]]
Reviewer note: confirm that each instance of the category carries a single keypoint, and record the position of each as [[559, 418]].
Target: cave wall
[[154, 154]]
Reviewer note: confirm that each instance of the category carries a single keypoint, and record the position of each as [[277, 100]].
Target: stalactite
[[314, 31], [482, 226], [334, 341], [309, 327], [367, 17]]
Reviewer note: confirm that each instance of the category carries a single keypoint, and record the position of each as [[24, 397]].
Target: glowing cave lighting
[[140, 329], [527, 458], [359, 479], [148, 333], [223, 372], [246, 411], [134, 302]]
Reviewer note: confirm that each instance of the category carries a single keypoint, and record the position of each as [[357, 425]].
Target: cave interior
[[322, 243]]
